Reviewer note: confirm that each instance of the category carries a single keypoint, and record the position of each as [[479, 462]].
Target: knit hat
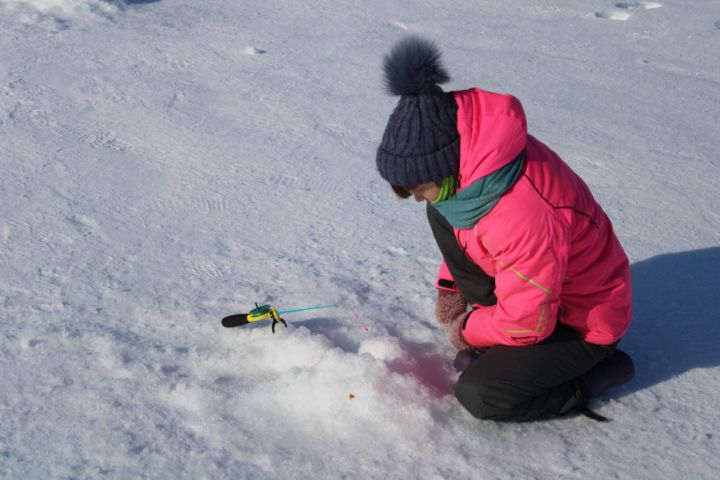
[[421, 143]]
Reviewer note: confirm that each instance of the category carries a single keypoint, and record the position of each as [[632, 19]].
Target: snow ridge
[[65, 7], [63, 10]]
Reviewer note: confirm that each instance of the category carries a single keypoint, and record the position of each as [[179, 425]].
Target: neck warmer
[[465, 208]]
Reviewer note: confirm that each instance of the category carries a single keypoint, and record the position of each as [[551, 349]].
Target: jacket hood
[[493, 132]]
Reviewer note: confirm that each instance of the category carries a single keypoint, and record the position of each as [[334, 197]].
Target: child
[[523, 241]]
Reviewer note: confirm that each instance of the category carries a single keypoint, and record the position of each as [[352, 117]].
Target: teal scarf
[[466, 207]]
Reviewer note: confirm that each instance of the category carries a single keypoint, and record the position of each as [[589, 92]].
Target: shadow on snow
[[675, 324]]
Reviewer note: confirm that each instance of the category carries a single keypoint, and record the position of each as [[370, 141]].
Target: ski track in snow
[[168, 163]]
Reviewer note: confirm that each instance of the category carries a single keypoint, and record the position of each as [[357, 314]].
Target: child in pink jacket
[[524, 244]]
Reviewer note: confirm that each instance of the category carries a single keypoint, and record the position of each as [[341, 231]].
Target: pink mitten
[[450, 311]]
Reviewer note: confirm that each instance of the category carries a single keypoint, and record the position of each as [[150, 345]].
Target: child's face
[[425, 192]]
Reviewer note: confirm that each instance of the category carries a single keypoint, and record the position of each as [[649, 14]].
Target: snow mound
[[387, 349]]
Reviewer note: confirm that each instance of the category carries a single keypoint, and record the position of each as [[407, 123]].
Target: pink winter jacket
[[548, 244]]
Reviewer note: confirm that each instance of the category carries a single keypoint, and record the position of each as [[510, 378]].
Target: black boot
[[617, 369]]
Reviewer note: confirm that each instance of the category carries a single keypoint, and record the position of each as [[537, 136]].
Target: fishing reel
[[264, 312]]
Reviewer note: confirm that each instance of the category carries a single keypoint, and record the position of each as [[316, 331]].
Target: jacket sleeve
[[445, 281], [530, 253]]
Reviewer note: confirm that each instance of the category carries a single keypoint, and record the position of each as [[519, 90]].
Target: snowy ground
[[169, 162]]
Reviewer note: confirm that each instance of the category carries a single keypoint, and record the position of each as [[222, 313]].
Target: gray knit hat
[[421, 143]]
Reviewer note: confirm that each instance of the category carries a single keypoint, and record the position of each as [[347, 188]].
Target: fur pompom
[[412, 66]]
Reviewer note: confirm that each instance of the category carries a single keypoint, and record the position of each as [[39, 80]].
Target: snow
[[166, 163]]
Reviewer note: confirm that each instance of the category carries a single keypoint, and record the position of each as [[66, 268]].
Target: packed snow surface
[[166, 163]]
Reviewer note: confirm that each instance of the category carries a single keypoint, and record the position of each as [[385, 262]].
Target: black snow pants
[[515, 383]]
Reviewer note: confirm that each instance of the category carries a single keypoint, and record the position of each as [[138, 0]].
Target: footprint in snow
[[399, 25], [253, 51], [83, 222], [625, 10], [638, 5], [398, 251]]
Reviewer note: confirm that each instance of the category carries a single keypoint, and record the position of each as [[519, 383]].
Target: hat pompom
[[412, 66]]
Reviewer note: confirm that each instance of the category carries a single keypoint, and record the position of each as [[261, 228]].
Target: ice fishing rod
[[265, 312]]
